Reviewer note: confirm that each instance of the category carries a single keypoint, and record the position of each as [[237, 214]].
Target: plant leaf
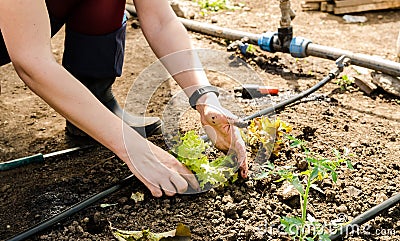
[[145, 235], [296, 183], [314, 173]]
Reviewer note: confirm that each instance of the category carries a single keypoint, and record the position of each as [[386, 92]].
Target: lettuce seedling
[[191, 151]]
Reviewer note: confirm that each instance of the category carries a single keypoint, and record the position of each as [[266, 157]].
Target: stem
[[304, 202]]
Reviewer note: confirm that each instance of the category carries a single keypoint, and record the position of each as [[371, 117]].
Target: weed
[[214, 5], [344, 82]]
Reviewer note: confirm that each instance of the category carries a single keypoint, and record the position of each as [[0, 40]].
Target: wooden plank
[[324, 6], [367, 7], [310, 6], [357, 2]]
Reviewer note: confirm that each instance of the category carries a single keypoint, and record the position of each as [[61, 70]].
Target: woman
[[93, 57]]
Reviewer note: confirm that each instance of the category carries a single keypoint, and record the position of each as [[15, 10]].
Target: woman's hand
[[157, 169], [219, 125]]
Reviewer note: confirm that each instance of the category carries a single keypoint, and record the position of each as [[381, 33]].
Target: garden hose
[[70, 211], [366, 216]]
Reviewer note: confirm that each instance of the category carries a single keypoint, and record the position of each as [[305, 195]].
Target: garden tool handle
[[37, 158]]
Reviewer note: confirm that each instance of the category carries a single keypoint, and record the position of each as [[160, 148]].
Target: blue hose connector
[[243, 47], [298, 47], [266, 40]]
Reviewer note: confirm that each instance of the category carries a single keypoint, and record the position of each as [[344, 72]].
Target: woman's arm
[[169, 40], [26, 30]]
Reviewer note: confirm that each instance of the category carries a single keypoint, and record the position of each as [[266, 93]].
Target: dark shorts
[[89, 17]]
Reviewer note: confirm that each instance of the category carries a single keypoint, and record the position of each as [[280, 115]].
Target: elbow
[[31, 71]]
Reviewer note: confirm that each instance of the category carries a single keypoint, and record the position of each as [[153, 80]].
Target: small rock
[[72, 229], [86, 220], [249, 184], [123, 200], [353, 192], [97, 217], [381, 197], [230, 209], [341, 209], [79, 229], [5, 188], [302, 165], [227, 199], [246, 214], [212, 193], [287, 192], [214, 20], [246, 9], [127, 207]]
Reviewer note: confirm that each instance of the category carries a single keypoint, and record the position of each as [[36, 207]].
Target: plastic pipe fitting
[[266, 41], [298, 47]]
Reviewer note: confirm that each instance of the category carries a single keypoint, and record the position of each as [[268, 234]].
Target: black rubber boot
[[96, 61], [101, 88]]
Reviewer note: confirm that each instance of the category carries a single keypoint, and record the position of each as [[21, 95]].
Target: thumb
[[236, 121]]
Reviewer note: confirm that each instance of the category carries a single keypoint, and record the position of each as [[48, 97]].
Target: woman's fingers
[[240, 150], [179, 183]]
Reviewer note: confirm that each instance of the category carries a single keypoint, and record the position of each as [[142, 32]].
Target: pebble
[[227, 199], [214, 20], [342, 209], [249, 184], [353, 192], [381, 197], [123, 200], [5, 188], [230, 209]]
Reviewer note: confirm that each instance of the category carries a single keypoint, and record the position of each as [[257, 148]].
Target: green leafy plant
[[344, 82], [266, 135], [318, 169], [191, 151], [215, 5]]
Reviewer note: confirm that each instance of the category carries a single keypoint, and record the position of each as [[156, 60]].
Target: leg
[[94, 52]]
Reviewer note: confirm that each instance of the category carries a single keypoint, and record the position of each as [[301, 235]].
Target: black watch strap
[[200, 92]]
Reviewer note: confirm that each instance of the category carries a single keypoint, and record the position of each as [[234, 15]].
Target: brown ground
[[368, 125]]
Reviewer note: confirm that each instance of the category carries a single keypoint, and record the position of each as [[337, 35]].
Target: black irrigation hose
[[70, 211], [366, 216], [340, 62], [291, 100]]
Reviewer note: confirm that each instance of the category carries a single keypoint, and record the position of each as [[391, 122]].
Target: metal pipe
[[363, 60]]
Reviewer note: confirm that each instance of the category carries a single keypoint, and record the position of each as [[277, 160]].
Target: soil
[[248, 209]]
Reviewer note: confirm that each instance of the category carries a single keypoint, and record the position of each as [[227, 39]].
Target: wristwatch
[[200, 92]]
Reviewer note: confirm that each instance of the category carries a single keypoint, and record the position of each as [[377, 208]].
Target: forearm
[[172, 45], [72, 100]]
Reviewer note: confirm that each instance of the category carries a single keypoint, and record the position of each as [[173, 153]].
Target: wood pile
[[348, 6]]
